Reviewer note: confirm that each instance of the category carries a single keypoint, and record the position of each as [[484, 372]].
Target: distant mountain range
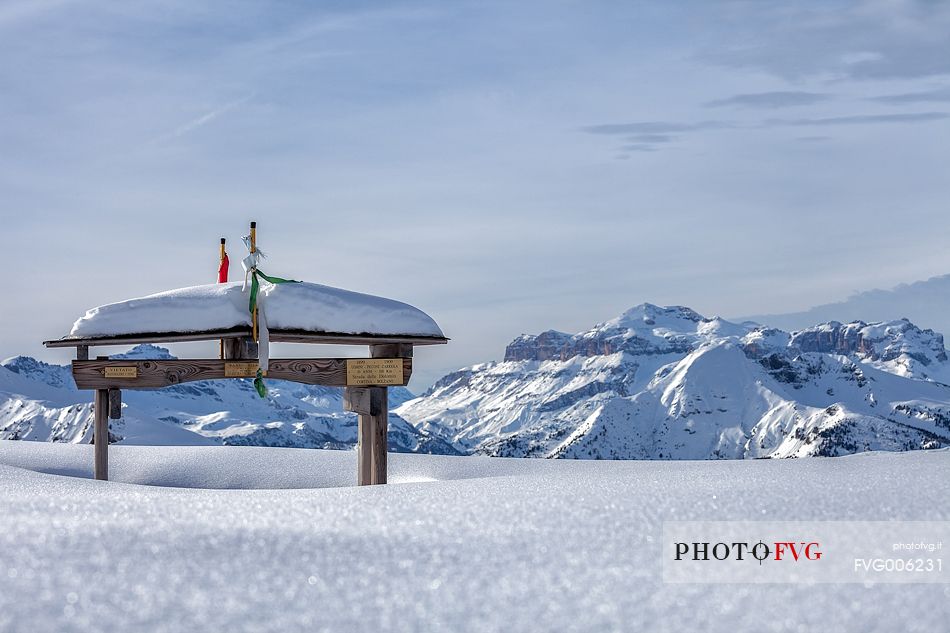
[[39, 401], [925, 302], [668, 383], [653, 383]]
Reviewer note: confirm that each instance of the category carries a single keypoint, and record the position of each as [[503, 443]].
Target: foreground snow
[[473, 544]]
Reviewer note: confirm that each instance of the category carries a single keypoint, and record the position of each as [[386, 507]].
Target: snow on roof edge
[[213, 308]]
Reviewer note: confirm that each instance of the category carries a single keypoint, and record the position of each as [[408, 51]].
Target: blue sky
[[508, 167]]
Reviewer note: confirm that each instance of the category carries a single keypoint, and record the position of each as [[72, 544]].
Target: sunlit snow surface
[[477, 544], [296, 306]]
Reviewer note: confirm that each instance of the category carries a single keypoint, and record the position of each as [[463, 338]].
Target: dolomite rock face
[[880, 341], [645, 329], [667, 383], [544, 346]]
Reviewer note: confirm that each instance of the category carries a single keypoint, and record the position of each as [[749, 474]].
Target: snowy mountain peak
[[899, 344], [648, 314], [39, 401], [25, 365], [643, 329], [146, 351], [661, 383], [35, 370]]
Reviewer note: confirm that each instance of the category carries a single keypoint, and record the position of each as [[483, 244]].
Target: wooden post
[[222, 278], [391, 350], [101, 434], [380, 435], [115, 404], [378, 429], [240, 349], [253, 249], [370, 404], [364, 450]]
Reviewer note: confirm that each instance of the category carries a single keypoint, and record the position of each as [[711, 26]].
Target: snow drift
[[475, 544]]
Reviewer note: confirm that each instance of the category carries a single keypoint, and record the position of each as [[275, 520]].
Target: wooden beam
[[153, 374], [148, 337], [82, 352], [286, 336], [277, 336], [100, 435]]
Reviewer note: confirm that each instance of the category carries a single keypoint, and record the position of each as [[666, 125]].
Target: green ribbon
[[259, 384], [252, 305], [256, 285]]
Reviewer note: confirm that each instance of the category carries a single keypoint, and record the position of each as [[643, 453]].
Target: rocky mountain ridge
[[39, 401], [659, 383]]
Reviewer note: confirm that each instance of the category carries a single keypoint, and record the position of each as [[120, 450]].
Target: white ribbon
[[249, 264], [263, 333]]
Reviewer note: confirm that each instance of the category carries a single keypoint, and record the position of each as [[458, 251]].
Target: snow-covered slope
[[39, 401], [667, 383], [475, 544]]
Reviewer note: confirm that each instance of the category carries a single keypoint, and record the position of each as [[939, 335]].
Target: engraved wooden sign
[[374, 371], [121, 372], [240, 370], [152, 374]]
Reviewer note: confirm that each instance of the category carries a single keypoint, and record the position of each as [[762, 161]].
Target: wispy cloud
[[12, 13], [654, 127], [649, 136], [780, 99], [655, 131], [863, 39], [940, 95], [208, 117], [862, 119], [639, 147], [198, 122]]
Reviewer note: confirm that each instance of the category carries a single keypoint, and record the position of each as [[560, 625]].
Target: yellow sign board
[[240, 370], [373, 371], [121, 372]]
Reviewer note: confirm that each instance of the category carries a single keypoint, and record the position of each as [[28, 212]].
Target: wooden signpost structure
[[364, 380]]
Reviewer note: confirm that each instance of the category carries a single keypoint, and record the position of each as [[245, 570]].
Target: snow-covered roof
[[292, 307]]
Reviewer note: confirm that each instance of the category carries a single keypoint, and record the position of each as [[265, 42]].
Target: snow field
[[465, 544]]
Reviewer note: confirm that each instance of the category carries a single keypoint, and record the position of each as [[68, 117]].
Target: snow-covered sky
[[507, 167]]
